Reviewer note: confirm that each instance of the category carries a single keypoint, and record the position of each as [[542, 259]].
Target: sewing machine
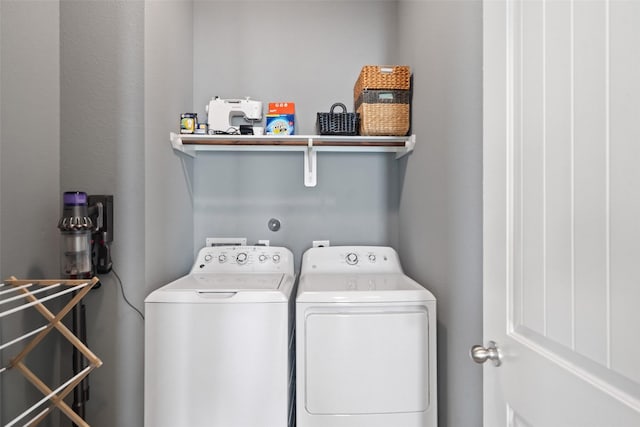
[[221, 113]]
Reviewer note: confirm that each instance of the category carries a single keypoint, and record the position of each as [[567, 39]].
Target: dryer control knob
[[262, 258], [208, 257], [222, 258], [242, 258], [352, 258], [372, 257], [276, 258]]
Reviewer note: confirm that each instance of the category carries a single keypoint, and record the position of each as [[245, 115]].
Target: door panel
[[529, 159], [518, 421], [562, 235], [591, 145], [625, 190], [558, 161]]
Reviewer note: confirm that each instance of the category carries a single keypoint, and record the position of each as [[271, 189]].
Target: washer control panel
[[361, 259], [247, 259]]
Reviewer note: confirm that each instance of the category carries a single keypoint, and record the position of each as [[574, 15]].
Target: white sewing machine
[[221, 112]]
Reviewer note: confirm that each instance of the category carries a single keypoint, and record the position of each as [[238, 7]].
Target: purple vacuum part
[[74, 198]]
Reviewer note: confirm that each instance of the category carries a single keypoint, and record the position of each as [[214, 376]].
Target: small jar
[[188, 122], [201, 129]]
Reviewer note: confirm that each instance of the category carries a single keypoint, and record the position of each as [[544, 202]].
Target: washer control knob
[[241, 258], [352, 258], [262, 258], [207, 257], [276, 258], [222, 258], [372, 257]]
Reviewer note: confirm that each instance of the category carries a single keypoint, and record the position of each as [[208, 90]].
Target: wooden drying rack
[[80, 288]]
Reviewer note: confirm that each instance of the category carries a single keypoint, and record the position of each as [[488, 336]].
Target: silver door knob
[[480, 354]]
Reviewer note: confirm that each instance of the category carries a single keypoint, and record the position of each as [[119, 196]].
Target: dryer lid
[[217, 288], [323, 287]]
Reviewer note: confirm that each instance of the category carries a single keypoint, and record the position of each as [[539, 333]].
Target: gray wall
[[29, 178], [441, 206], [309, 53], [102, 152], [127, 75], [73, 109], [168, 91]]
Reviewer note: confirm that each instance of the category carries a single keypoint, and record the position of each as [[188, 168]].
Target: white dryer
[[219, 346], [366, 341]]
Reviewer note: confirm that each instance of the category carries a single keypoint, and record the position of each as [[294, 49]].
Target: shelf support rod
[[310, 165]]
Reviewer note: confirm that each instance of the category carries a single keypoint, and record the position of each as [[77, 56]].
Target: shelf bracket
[[310, 165], [409, 145], [176, 143]]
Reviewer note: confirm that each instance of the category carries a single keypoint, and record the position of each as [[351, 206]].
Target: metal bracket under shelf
[[177, 145], [308, 144], [310, 165]]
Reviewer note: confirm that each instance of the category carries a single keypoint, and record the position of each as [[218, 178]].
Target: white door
[[562, 212]]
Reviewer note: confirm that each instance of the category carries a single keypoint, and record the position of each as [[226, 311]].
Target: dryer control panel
[[245, 259], [361, 259]]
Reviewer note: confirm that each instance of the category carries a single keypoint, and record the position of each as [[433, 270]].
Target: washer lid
[[392, 287], [212, 288]]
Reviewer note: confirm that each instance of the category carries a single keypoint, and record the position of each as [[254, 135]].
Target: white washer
[[219, 342], [366, 341]]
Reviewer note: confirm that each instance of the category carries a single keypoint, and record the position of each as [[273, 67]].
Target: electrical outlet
[[321, 243]]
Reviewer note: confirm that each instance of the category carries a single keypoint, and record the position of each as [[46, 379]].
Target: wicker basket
[[383, 77], [384, 112], [333, 123]]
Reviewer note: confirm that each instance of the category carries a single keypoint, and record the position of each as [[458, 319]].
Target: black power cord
[[124, 296]]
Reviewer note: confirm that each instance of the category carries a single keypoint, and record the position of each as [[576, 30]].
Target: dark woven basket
[[343, 123]]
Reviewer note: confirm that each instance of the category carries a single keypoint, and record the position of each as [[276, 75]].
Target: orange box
[[282, 108]]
